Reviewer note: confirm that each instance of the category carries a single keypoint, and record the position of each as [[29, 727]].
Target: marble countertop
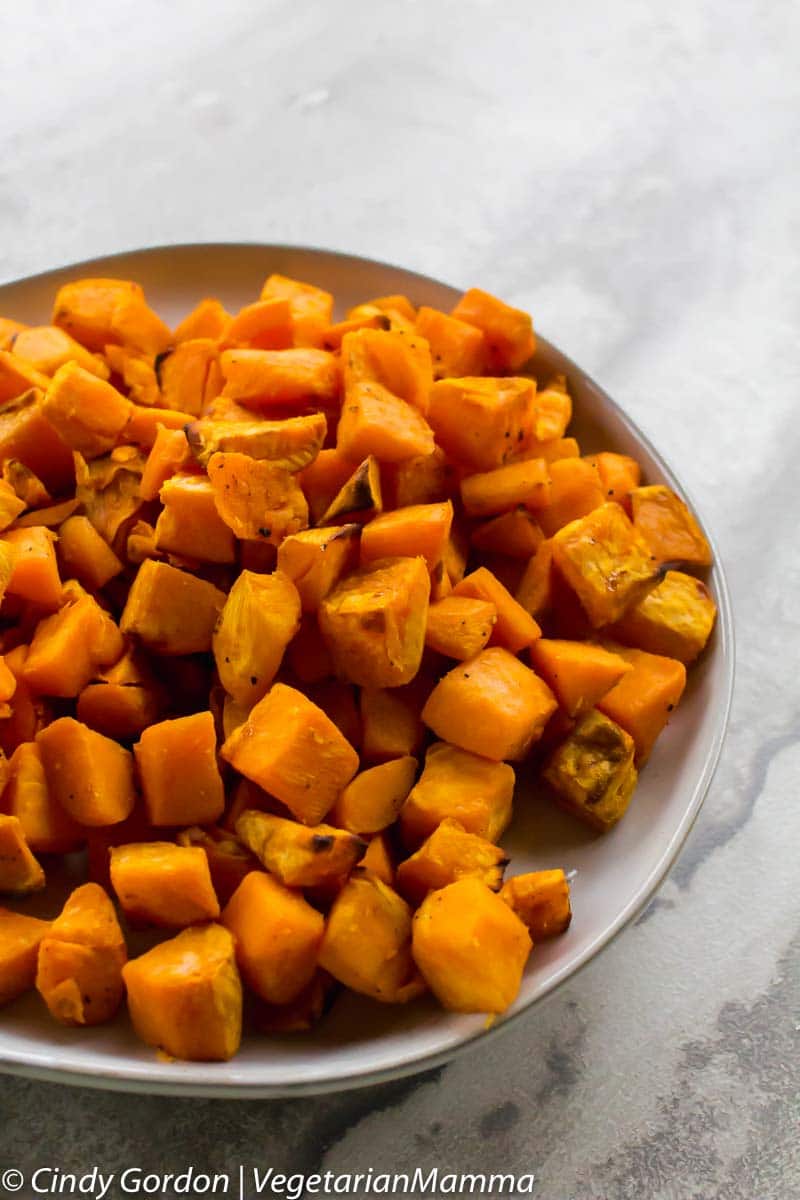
[[629, 172]]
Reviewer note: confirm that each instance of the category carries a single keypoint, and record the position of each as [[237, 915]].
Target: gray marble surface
[[629, 171]]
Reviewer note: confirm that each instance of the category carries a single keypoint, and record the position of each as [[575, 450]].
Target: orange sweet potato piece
[[579, 673], [10, 504], [260, 618], [481, 423], [17, 376], [449, 853], [311, 308], [87, 412], [541, 900], [170, 611], [81, 958], [592, 772], [298, 855], [391, 725], [360, 497], [97, 312], [27, 435], [419, 529], [277, 935], [264, 325], [323, 479], [289, 747], [159, 883], [552, 411], [177, 763], [675, 618], [500, 490], [228, 860], [20, 873], [644, 697], [492, 705], [88, 775], [185, 995], [47, 827], [25, 485], [123, 699], [168, 455], [619, 474], [374, 622], [508, 331], [367, 942], [375, 421], [268, 379], [208, 319], [183, 373], [463, 786], [668, 527], [69, 646], [470, 947], [460, 626], [424, 479], [378, 859], [34, 572], [47, 348], [144, 424], [315, 560], [334, 335], [28, 712], [85, 555], [515, 534], [8, 331], [293, 443], [20, 937], [256, 498], [371, 801], [514, 627], [189, 524], [574, 491], [457, 348], [399, 361]]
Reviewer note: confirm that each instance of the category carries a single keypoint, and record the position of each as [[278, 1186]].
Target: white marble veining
[[629, 171]]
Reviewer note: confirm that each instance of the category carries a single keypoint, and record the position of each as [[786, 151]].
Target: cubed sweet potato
[[177, 762], [159, 883], [592, 771], [457, 348], [315, 560], [541, 900], [668, 527], [311, 308], [460, 626], [462, 786], [508, 331], [34, 570], [644, 697], [418, 529], [359, 498], [488, 493], [371, 801], [292, 444], [85, 555], [399, 361], [260, 618], [266, 379], [481, 422], [88, 775], [256, 498], [575, 491], [87, 412], [376, 421], [189, 524], [514, 627], [20, 937], [579, 673], [390, 724], [171, 611], [81, 957], [47, 827], [449, 853], [20, 873], [70, 646], [298, 855], [674, 619]]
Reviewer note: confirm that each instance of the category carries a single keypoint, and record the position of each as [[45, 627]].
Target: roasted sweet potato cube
[[516, 534], [177, 762], [183, 373], [323, 479], [208, 319], [374, 622], [674, 619], [311, 308], [400, 361], [99, 312], [171, 611], [378, 859], [189, 524], [541, 900], [27, 435], [89, 775], [20, 872], [228, 860], [579, 673], [470, 947], [292, 444], [290, 748], [10, 504], [418, 529], [34, 570], [460, 626], [260, 618], [424, 479], [390, 724], [474, 791], [605, 561], [367, 942], [481, 422], [372, 800], [492, 705], [644, 698], [85, 555], [449, 853], [298, 855], [315, 560], [159, 883], [17, 376], [457, 348], [266, 379], [46, 347], [552, 410], [619, 474], [87, 412], [508, 331], [70, 646], [359, 498], [168, 454], [575, 491], [256, 498], [20, 936], [592, 771], [375, 421], [81, 957], [668, 527], [185, 995], [490, 492], [264, 325], [48, 828], [514, 627]]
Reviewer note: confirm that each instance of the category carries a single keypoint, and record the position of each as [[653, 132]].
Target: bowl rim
[[134, 1078]]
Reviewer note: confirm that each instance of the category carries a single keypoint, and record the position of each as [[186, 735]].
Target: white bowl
[[362, 1042]]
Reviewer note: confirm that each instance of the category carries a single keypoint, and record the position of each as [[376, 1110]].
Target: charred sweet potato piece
[[449, 853], [605, 561], [460, 626], [159, 883], [541, 900], [490, 492], [516, 534], [418, 529], [457, 348], [189, 523], [208, 319], [399, 361], [185, 995], [87, 412], [514, 627], [47, 827], [508, 331], [260, 618], [20, 937], [367, 942], [170, 611], [88, 775], [644, 697], [374, 622], [298, 855], [470, 947], [359, 498], [20, 873], [315, 560], [277, 935], [481, 423], [579, 673], [256, 498], [371, 801], [674, 619], [34, 570], [292, 444], [268, 379], [575, 491], [81, 957], [311, 308], [390, 724], [85, 555], [180, 779], [592, 771], [668, 527], [465, 787], [71, 645], [289, 747]]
